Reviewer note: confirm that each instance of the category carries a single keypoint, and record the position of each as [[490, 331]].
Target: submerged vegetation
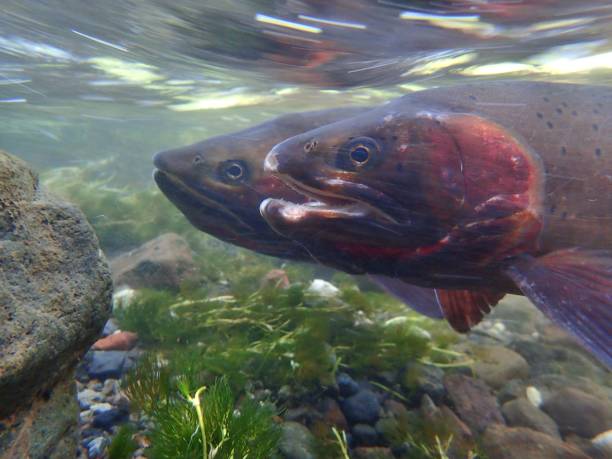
[[225, 356], [285, 336], [190, 420]]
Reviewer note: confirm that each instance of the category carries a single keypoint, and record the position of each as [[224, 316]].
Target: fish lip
[[165, 180], [342, 203]]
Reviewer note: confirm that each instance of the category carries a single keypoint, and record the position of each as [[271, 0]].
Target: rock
[[323, 288], [55, 292], [275, 278], [164, 262], [107, 364], [110, 387], [85, 417], [346, 385], [106, 419], [296, 441], [110, 326], [96, 447], [120, 341], [512, 390], [332, 414], [553, 359], [441, 423], [497, 365], [518, 314], [473, 401], [364, 435], [98, 408], [501, 442], [602, 444], [395, 409], [522, 413], [577, 412], [376, 452], [363, 407], [419, 379], [87, 397]]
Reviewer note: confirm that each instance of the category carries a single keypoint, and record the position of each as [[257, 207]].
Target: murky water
[[89, 91]]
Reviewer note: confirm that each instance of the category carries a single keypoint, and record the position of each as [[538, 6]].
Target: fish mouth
[[335, 197], [195, 199]]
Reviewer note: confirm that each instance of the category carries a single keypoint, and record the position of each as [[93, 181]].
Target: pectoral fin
[[574, 289], [422, 300], [465, 308]]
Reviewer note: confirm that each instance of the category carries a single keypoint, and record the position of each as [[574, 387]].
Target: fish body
[[218, 183], [473, 191]]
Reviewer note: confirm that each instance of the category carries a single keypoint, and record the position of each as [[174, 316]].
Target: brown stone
[[501, 442], [332, 414], [522, 413], [441, 423], [496, 365], [275, 278], [164, 262], [577, 412], [120, 341], [473, 402]]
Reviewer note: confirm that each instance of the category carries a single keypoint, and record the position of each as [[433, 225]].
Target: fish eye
[[233, 171], [360, 155], [197, 159], [357, 153]]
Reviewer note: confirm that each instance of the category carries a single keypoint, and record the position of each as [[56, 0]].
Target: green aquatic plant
[[191, 420], [283, 336], [123, 445]]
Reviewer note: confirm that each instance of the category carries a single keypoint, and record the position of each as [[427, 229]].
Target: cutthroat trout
[[468, 192], [219, 183]]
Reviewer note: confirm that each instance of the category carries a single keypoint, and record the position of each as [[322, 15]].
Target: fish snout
[[271, 162], [160, 161]]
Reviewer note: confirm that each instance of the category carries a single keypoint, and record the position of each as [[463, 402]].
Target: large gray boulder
[[55, 296]]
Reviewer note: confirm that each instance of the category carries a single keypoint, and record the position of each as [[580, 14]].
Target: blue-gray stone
[[107, 364], [107, 419], [363, 407], [95, 447], [346, 385], [365, 435]]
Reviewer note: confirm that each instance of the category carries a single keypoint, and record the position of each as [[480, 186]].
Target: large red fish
[[472, 191]]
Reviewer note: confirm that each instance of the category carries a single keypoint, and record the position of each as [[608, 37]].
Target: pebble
[[496, 365], [87, 397], [522, 413], [419, 379], [108, 419], [110, 387], [107, 364], [101, 408], [296, 441], [323, 288], [96, 447], [473, 401], [363, 407], [580, 413], [347, 386], [501, 442], [376, 452], [365, 435]]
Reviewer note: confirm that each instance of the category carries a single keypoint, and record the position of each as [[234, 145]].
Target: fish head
[[218, 185], [382, 170], [410, 187]]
